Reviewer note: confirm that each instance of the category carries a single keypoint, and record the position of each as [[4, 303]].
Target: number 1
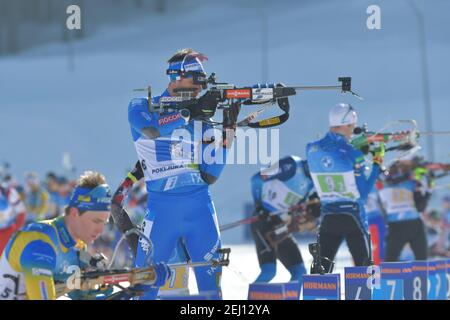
[[358, 294]]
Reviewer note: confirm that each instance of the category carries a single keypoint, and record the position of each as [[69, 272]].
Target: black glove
[[205, 107], [313, 205], [230, 116], [263, 214], [162, 272], [313, 209]]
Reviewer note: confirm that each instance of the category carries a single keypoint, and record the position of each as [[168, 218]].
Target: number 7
[[172, 277], [392, 283]]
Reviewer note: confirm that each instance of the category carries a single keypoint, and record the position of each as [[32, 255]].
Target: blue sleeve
[[363, 183], [257, 188], [414, 185], [214, 156], [310, 191], [309, 160], [214, 169], [38, 263], [38, 255], [140, 117]]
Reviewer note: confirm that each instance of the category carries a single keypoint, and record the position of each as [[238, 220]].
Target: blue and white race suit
[[338, 172], [179, 201]]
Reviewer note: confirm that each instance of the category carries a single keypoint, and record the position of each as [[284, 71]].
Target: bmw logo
[[327, 162]]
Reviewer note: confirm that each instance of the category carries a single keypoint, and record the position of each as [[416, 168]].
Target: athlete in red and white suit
[[12, 214]]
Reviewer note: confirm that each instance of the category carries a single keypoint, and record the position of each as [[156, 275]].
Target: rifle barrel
[[316, 87], [433, 132], [238, 223]]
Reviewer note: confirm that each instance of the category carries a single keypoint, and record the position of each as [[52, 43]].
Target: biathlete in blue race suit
[[171, 150], [404, 197], [338, 172], [280, 188]]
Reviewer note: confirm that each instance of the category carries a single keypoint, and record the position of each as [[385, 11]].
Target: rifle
[[227, 96], [406, 141], [437, 169], [283, 230], [420, 167], [368, 141], [99, 280]]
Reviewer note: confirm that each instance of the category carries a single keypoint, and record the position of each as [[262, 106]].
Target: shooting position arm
[[118, 213], [152, 124]]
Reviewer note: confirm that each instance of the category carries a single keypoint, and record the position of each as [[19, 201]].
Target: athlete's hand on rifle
[[305, 219], [230, 116], [278, 234], [205, 107], [263, 214], [421, 172], [302, 222], [313, 206], [162, 274], [96, 262], [99, 261], [378, 154]]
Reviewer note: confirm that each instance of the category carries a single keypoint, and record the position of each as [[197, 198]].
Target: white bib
[[178, 157], [278, 195], [336, 186], [397, 200]]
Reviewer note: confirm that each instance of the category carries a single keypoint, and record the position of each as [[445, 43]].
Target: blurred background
[[64, 93]]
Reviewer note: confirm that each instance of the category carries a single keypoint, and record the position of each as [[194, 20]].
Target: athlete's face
[[184, 83], [33, 185], [52, 185], [90, 225], [348, 130]]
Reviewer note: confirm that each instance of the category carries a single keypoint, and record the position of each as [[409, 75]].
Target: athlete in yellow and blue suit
[[39, 254], [35, 257]]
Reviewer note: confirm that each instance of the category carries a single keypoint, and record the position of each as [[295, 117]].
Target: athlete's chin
[[90, 239]]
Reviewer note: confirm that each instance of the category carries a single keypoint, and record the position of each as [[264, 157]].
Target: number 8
[[417, 294]]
